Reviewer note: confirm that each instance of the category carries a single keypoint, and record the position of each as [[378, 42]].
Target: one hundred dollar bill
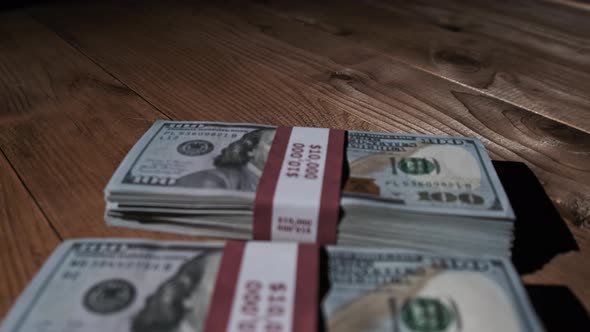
[[220, 164], [140, 285], [404, 290]]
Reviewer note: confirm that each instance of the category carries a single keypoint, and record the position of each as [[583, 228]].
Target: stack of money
[[145, 286], [434, 193]]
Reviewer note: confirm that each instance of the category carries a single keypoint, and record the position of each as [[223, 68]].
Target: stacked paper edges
[[435, 193]]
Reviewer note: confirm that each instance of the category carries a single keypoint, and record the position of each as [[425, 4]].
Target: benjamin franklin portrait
[[181, 303], [238, 166]]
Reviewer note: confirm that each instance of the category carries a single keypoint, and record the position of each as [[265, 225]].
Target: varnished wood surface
[[80, 83], [26, 237]]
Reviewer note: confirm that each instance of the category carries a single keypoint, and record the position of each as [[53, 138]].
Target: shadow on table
[[539, 232], [558, 308]]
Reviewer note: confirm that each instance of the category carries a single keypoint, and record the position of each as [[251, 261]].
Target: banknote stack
[[434, 193], [148, 286]]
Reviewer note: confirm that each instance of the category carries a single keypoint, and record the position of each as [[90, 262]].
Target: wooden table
[[80, 83]]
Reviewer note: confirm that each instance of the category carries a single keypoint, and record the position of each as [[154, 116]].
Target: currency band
[[298, 196], [264, 286]]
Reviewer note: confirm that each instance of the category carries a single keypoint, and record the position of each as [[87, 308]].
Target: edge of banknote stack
[[147, 285], [436, 193]]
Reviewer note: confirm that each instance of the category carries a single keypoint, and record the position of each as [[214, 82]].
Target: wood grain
[[558, 153], [571, 3], [65, 126], [352, 78], [77, 93], [330, 71], [191, 66], [525, 54], [327, 68], [26, 238]]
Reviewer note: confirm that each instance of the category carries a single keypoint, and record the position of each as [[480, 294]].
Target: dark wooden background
[[81, 81]]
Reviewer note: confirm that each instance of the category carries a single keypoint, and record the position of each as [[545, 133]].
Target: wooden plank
[[313, 69], [65, 125], [194, 67], [321, 70], [26, 238], [555, 20], [203, 63], [559, 154], [533, 59], [578, 5], [509, 132]]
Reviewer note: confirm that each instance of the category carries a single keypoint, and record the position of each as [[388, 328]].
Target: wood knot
[[460, 60], [450, 27], [346, 80], [340, 76], [556, 131], [579, 211]]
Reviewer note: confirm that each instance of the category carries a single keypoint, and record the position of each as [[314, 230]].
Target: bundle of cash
[[414, 191], [139, 285]]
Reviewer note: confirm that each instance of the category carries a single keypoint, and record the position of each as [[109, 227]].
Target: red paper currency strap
[[250, 297], [298, 196], [225, 287]]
